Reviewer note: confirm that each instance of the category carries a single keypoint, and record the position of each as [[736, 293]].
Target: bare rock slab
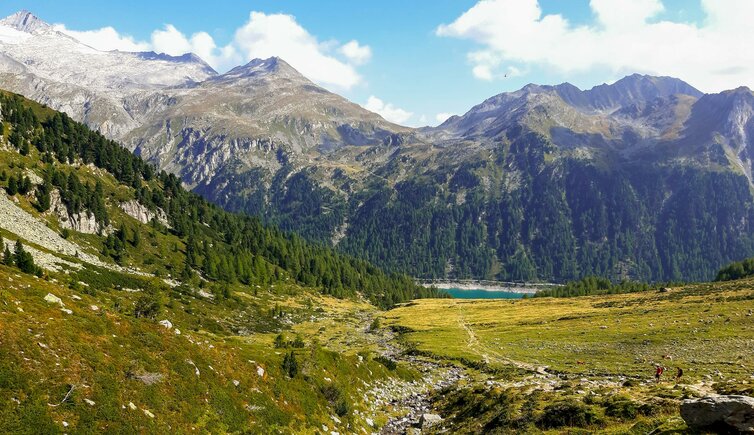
[[720, 413]]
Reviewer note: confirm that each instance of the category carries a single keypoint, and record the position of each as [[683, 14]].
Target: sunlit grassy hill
[[589, 351]]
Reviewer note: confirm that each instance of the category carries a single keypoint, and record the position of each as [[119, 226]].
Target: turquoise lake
[[483, 294]]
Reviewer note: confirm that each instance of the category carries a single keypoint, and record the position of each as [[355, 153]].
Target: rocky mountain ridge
[[615, 162]]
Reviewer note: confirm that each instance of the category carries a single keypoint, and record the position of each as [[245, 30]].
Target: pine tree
[[23, 259], [43, 196], [7, 257], [24, 148], [290, 365], [12, 186]]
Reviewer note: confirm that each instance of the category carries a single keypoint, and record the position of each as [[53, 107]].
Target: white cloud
[[172, 41], [387, 110], [356, 53], [625, 37], [105, 39], [262, 36], [280, 35], [443, 116]]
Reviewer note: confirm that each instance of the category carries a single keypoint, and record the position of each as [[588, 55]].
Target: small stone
[[66, 310], [89, 402], [166, 324], [260, 371], [236, 382], [132, 406], [93, 307], [147, 413]]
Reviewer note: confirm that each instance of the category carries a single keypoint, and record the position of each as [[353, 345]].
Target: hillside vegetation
[[224, 247], [128, 305]]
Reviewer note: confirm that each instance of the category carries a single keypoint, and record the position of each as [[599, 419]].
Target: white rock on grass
[[51, 298], [166, 323]]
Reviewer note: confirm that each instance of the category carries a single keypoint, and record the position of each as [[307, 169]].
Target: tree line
[[222, 246]]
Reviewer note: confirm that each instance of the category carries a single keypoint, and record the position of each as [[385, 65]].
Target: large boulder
[[720, 413], [429, 420]]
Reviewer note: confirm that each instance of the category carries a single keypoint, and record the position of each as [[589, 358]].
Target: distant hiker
[[658, 372], [678, 375]]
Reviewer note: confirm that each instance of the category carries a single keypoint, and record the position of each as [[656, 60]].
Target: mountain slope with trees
[[642, 179]]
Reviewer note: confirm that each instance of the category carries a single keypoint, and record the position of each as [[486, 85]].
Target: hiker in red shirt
[[658, 372]]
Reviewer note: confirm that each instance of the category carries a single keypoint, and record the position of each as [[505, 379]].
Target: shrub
[[566, 413], [147, 305], [280, 341], [621, 407], [387, 362], [298, 342]]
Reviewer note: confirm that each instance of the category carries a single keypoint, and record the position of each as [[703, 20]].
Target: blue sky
[[413, 60]]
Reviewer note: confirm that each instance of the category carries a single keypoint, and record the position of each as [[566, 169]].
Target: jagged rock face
[[82, 222], [142, 214]]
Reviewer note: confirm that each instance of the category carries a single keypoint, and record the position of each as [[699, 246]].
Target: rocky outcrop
[[734, 414], [142, 214], [82, 222], [428, 420]]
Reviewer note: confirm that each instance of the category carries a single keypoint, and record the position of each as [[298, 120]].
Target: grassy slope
[[600, 347], [104, 352], [43, 351]]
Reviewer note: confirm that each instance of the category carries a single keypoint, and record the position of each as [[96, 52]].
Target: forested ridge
[[222, 246], [527, 212]]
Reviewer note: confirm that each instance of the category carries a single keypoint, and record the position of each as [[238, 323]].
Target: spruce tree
[[290, 365], [12, 186], [7, 257]]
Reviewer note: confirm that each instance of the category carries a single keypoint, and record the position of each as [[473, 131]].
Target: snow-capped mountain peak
[[25, 21]]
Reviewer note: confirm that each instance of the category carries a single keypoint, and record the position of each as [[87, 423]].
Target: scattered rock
[[236, 382], [166, 323], [89, 402], [66, 310], [720, 413], [148, 413], [76, 297], [260, 371], [94, 308], [51, 298], [132, 406], [429, 420], [146, 378]]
